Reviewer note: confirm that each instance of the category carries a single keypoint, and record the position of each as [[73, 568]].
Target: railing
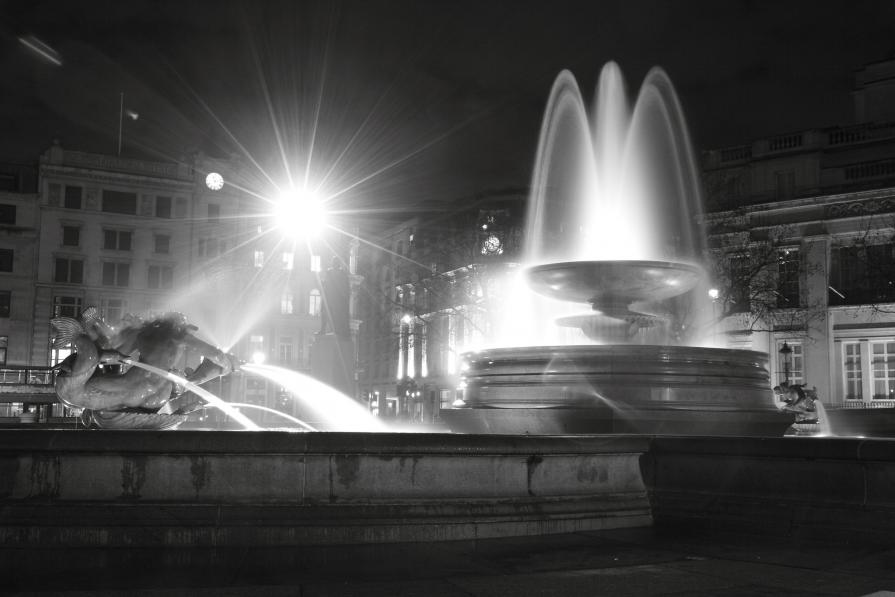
[[860, 404], [861, 132], [128, 165], [32, 376], [786, 142], [733, 154], [870, 169]]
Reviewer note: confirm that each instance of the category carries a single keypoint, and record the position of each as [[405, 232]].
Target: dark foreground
[[621, 562], [192, 513]]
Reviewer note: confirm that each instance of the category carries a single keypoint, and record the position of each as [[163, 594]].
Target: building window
[[5, 301], [57, 355], [787, 278], [288, 260], [784, 184], [286, 304], [796, 364], [120, 202], [69, 271], [7, 214], [73, 197], [161, 276], [256, 348], [862, 274], [314, 303], [883, 367], [315, 263], [117, 240], [163, 207], [214, 212], [67, 306], [286, 351], [162, 243], [6, 258], [259, 258], [116, 274], [71, 236], [852, 371], [738, 274], [180, 207], [208, 247], [112, 309], [4, 345]]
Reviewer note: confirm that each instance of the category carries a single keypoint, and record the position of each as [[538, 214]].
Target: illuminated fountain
[[612, 279]]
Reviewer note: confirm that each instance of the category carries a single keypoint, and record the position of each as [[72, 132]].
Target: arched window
[[286, 303], [314, 302]]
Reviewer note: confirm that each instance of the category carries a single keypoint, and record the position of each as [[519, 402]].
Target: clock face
[[492, 245], [214, 181]]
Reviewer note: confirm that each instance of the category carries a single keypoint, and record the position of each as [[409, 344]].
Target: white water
[[331, 408], [204, 394], [301, 424], [617, 183], [628, 188]]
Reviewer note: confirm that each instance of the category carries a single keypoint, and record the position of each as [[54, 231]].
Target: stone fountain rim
[[548, 351]]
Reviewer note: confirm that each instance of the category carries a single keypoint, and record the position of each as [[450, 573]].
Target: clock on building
[[214, 181], [492, 245]]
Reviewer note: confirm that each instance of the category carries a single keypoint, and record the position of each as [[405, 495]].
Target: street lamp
[[300, 213], [786, 351], [713, 294]]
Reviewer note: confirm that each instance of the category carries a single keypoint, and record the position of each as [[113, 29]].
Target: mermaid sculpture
[[100, 377]]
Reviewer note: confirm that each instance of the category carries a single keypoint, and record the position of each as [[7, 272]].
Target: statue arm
[[216, 363]]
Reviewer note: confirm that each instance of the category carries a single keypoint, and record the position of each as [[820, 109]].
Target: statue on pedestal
[[335, 314]]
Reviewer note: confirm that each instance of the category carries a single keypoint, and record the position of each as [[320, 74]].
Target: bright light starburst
[[300, 214]]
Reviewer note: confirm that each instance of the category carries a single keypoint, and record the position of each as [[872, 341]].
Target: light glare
[[300, 213]]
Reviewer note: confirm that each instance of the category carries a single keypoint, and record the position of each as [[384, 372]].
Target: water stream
[[204, 394]]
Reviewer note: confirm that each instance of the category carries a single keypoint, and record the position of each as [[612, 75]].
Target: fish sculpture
[[127, 395]]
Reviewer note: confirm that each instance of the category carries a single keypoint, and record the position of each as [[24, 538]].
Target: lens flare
[[300, 214]]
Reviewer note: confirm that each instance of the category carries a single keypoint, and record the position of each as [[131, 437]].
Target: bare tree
[[760, 276]]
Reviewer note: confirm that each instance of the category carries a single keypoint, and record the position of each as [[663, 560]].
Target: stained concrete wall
[[181, 502], [148, 489], [798, 487]]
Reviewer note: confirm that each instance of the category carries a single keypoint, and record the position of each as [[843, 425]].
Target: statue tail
[[66, 330]]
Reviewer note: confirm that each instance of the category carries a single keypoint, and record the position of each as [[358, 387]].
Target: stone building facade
[[802, 227], [429, 291], [137, 236]]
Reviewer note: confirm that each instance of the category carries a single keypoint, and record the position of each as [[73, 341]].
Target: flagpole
[[120, 122]]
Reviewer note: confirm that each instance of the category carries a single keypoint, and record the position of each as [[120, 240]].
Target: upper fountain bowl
[[606, 284]]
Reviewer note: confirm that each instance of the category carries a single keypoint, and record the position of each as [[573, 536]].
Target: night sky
[[415, 103]]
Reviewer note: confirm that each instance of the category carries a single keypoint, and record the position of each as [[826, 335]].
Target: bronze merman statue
[[127, 395]]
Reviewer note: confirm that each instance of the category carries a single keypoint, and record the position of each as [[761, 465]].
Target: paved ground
[[637, 562]]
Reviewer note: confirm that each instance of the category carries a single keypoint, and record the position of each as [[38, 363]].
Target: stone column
[[820, 361]]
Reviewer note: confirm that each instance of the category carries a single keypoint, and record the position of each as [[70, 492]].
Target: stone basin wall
[[181, 501], [804, 488], [201, 489]]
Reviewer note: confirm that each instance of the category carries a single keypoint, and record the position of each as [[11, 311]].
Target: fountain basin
[[213, 490], [649, 389], [613, 284]]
